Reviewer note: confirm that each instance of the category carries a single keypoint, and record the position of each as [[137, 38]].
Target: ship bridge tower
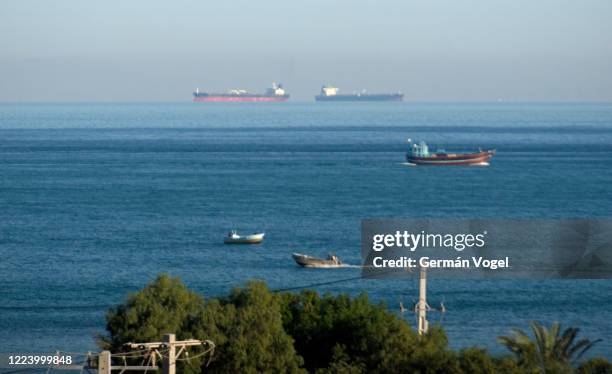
[[419, 149], [329, 90], [276, 89]]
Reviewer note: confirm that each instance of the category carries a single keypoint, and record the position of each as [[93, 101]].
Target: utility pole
[[170, 344], [422, 305], [104, 362], [169, 362]]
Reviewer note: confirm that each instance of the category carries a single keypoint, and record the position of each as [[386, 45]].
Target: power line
[[378, 274], [316, 284]]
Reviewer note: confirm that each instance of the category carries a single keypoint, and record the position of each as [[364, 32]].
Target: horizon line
[[25, 102]]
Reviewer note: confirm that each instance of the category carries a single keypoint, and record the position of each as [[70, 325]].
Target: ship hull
[[383, 97], [239, 99], [463, 159]]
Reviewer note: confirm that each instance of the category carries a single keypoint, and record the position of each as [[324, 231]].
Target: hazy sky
[[432, 50]]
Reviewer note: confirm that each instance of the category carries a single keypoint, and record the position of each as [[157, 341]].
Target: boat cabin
[[419, 149]]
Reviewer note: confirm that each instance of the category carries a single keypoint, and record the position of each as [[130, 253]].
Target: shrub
[[595, 366]]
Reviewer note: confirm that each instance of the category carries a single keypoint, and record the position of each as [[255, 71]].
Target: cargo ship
[[275, 93], [329, 93], [418, 154]]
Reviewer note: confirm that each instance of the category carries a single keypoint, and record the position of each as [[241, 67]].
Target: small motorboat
[[313, 262], [234, 238]]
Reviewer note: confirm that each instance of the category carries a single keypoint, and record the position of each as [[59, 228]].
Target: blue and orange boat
[[418, 154]]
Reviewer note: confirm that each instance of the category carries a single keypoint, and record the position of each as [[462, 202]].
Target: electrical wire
[[378, 274]]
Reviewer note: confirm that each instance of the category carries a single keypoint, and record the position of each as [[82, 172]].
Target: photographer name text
[[426, 262]]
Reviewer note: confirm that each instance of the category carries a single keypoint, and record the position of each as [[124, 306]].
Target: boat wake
[[481, 164], [407, 164]]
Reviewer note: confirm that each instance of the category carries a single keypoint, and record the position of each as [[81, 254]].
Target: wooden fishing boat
[[418, 154], [313, 262]]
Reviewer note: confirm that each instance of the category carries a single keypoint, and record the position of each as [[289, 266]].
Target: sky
[[432, 50]]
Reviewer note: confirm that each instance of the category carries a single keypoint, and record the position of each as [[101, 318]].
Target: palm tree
[[548, 346]]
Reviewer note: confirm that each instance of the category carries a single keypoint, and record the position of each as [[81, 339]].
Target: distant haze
[[439, 50]]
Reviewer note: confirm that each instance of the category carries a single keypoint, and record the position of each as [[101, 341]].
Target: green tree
[[344, 334], [256, 330], [248, 331], [476, 361], [595, 366], [246, 327], [507, 365], [341, 363], [164, 306], [551, 350]]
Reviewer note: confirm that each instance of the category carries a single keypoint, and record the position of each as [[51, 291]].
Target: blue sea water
[[97, 199]]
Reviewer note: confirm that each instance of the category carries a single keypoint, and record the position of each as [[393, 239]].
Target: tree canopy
[[256, 330]]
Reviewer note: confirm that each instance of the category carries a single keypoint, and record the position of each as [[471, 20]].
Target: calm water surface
[[96, 200]]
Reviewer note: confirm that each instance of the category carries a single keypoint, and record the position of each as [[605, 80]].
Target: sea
[[98, 199]]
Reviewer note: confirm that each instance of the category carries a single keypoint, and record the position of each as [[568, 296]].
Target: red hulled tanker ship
[[418, 154], [275, 93]]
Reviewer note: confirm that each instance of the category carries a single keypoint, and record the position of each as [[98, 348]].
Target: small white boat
[[313, 262], [234, 238]]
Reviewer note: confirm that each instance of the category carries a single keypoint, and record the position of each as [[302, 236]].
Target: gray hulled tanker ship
[[329, 93]]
